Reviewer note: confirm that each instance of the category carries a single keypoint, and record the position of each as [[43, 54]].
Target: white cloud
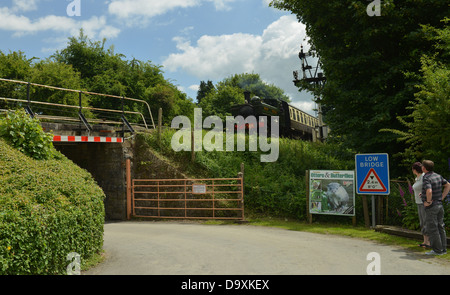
[[221, 4], [305, 105], [24, 5], [194, 87], [127, 9], [149, 8], [95, 27], [273, 55], [266, 2], [215, 56], [181, 88]]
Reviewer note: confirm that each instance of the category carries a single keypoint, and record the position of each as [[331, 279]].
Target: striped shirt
[[434, 182]]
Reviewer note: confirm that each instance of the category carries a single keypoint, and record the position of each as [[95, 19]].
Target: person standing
[[435, 188], [417, 188]]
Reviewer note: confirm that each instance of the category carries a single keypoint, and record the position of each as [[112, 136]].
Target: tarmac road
[[176, 248]]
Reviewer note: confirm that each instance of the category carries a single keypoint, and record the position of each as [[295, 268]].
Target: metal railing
[[28, 101]]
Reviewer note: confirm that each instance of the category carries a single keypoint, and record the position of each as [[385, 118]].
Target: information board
[[332, 192]]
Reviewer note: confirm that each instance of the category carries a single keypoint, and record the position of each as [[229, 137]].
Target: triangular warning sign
[[372, 183]]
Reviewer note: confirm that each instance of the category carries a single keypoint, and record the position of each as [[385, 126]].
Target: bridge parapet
[[99, 122], [72, 133]]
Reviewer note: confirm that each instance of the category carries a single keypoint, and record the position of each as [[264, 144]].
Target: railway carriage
[[293, 122]]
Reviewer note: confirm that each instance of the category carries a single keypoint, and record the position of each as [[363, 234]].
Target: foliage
[[218, 101], [170, 100], [429, 120], [48, 72], [364, 59], [26, 135], [48, 209], [204, 89], [15, 66], [406, 208]]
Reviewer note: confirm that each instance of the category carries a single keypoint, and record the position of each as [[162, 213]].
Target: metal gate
[[212, 198]]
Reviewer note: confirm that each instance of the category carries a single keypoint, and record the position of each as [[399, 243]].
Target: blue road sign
[[372, 174]]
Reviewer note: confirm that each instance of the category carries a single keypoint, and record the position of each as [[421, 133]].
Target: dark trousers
[[435, 227]]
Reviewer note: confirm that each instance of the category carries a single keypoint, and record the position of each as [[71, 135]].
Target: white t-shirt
[[417, 187]]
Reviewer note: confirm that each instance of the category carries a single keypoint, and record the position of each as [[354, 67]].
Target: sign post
[[372, 177]]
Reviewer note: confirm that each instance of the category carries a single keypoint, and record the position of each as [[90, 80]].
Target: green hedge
[[48, 209]]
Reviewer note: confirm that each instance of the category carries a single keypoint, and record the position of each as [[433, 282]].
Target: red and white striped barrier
[[98, 139]]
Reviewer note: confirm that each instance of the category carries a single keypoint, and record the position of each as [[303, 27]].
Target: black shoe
[[425, 246]]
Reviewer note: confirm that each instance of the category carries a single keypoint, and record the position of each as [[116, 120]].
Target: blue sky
[[193, 40]]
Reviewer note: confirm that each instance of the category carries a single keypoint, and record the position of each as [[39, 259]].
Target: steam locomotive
[[293, 122]]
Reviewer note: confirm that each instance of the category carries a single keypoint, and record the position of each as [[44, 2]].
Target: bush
[[48, 209], [26, 135]]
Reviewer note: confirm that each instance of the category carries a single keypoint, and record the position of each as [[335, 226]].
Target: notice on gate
[[199, 189]]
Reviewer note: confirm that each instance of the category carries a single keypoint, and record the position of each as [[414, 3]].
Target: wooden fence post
[[159, 126], [128, 171], [192, 146], [308, 214], [241, 175]]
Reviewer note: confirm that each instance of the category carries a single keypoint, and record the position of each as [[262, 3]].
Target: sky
[[193, 40]]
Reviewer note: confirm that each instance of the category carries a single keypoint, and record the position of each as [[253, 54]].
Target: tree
[[365, 59], [14, 65], [88, 57], [172, 102], [219, 101], [204, 89], [101, 70], [48, 72], [428, 125], [104, 71]]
